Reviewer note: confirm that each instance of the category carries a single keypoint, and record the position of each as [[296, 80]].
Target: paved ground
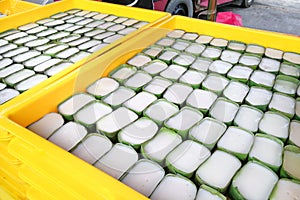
[[273, 15]]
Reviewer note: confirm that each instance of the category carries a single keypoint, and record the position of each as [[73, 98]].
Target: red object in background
[[229, 18], [160, 5]]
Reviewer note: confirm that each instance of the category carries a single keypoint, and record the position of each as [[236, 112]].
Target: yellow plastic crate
[[4, 194], [9, 172], [280, 41], [14, 21], [60, 169], [11, 7], [153, 17], [84, 185], [14, 185], [5, 155]]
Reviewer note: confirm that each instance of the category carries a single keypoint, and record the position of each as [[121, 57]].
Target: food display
[[33, 52], [189, 117]]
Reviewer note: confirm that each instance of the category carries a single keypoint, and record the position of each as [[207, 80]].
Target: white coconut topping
[[139, 79], [286, 189], [68, 136], [161, 145], [74, 103], [269, 65], [168, 55], [119, 96], [255, 181], [46, 125], [204, 39], [275, 124], [219, 42], [91, 113], [158, 85], [237, 46], [192, 77], [102, 87], [258, 96], [79, 56], [180, 45], [211, 52], [138, 132], [240, 72], [291, 161], [187, 156], [176, 33], [294, 135], [215, 82], [252, 48], [292, 57], [204, 194], [153, 51], [218, 170], [190, 36], [201, 64], [92, 148], [140, 101], [123, 73], [14, 52], [248, 118], [230, 56], [285, 86], [116, 120], [208, 131], [184, 59], [118, 160], [263, 78], [155, 67], [36, 61], [273, 156], [173, 72], [27, 26], [195, 48], [57, 68], [175, 188], [220, 67], [274, 53], [236, 140], [289, 70], [19, 76], [236, 91], [30, 82], [184, 119], [223, 110], [161, 110], [7, 94], [283, 103], [249, 60], [177, 93], [144, 176], [165, 42]]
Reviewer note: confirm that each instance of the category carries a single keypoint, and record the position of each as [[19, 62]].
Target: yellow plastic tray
[[11, 7], [4, 194], [16, 188], [153, 17], [10, 159], [32, 193], [85, 184], [79, 179], [280, 41], [9, 171]]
